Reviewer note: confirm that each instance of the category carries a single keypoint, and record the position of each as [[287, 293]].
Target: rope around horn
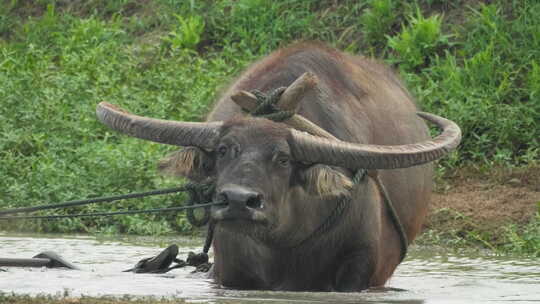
[[267, 107]]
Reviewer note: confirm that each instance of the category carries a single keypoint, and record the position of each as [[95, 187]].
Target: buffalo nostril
[[222, 199], [255, 201]]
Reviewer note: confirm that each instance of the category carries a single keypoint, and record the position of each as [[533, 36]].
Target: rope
[[393, 214], [209, 237], [332, 219], [155, 210], [338, 211], [198, 193], [92, 201]]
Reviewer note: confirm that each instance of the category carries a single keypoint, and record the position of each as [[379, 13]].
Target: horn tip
[[106, 106]]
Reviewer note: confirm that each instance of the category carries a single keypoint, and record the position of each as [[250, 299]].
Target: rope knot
[[267, 107]]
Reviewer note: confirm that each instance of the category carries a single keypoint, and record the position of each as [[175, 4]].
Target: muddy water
[[427, 275]]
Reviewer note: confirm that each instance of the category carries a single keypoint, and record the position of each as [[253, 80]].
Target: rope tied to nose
[[90, 201], [202, 192], [200, 197]]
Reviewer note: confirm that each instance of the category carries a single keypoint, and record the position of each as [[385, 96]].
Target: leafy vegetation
[[524, 239], [475, 63], [510, 239], [377, 21], [418, 41]]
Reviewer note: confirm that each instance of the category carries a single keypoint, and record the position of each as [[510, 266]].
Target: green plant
[[377, 21], [188, 33], [524, 240], [418, 41], [533, 81]]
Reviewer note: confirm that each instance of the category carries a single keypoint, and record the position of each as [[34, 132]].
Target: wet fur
[[323, 181], [189, 162]]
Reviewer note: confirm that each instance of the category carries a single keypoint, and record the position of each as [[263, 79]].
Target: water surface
[[427, 275]]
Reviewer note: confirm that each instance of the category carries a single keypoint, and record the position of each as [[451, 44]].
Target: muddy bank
[[485, 203]]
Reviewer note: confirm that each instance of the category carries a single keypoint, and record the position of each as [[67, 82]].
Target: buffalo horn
[[198, 134], [248, 102], [313, 149], [291, 97]]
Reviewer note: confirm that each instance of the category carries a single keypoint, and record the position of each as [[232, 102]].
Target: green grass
[[463, 232], [476, 64]]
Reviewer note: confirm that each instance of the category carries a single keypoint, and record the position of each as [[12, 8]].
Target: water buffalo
[[294, 219]]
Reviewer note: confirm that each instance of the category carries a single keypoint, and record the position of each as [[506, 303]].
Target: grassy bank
[[475, 63]]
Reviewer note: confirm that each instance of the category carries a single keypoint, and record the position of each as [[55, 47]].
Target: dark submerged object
[[280, 184], [157, 264], [161, 263], [47, 259]]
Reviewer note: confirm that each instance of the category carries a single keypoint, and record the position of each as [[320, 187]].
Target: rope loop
[[199, 192]]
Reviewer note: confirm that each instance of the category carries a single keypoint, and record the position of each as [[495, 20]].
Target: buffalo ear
[[322, 180], [189, 162]]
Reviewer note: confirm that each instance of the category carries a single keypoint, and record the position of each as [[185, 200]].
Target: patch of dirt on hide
[[485, 201]]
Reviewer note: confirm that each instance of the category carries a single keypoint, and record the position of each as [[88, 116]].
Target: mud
[[485, 201]]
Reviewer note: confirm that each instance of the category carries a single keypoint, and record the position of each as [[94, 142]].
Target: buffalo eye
[[222, 151], [235, 151], [232, 151], [283, 160]]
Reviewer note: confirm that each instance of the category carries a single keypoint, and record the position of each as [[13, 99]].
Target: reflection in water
[[425, 276]]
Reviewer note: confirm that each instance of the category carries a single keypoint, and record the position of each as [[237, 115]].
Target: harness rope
[[154, 210], [198, 192], [392, 213], [332, 219], [92, 201]]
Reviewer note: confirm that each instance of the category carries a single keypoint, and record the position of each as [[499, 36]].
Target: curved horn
[[314, 149], [199, 134]]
